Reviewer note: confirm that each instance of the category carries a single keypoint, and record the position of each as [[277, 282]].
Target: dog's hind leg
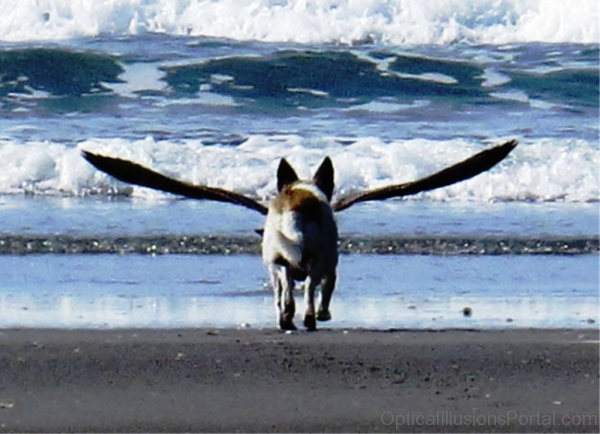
[[309, 300], [277, 290], [327, 287], [286, 300]]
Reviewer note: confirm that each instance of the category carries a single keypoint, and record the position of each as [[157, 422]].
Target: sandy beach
[[225, 380]]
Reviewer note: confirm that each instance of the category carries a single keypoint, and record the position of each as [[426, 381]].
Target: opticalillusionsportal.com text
[[511, 417]]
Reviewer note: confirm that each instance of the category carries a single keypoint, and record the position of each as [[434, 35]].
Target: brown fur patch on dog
[[301, 200]]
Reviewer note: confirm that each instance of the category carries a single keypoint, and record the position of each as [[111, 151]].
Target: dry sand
[[261, 380]]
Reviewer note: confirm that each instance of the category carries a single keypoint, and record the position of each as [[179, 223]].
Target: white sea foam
[[544, 170], [383, 106], [521, 97], [308, 21]]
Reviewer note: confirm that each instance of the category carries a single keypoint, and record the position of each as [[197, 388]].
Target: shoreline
[[226, 380], [18, 244]]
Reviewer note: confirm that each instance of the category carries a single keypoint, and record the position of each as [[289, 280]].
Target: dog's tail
[[291, 226], [291, 237]]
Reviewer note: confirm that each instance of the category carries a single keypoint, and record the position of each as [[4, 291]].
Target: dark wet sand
[[250, 380], [250, 245]]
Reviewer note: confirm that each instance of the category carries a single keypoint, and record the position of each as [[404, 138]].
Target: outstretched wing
[[133, 173], [466, 169]]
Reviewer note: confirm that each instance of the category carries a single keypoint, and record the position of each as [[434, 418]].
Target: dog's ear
[[324, 177], [285, 174]]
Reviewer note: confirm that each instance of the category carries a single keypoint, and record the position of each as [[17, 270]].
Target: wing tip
[[91, 158], [510, 145], [504, 149]]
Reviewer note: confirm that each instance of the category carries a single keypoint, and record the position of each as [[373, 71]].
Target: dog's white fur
[[300, 243]]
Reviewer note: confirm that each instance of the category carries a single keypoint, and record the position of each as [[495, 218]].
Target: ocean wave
[[324, 74], [348, 78], [56, 72], [309, 21], [544, 170], [338, 78]]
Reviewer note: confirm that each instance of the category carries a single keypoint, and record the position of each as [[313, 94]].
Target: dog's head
[[323, 179]]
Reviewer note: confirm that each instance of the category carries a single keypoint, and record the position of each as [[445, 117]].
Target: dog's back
[[300, 231]]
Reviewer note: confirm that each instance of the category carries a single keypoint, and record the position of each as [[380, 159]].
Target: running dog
[[300, 235]]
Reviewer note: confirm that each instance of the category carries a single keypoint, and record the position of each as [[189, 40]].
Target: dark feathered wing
[[466, 169], [133, 173]]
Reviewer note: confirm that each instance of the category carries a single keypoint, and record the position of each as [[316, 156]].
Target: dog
[[300, 236], [300, 243]]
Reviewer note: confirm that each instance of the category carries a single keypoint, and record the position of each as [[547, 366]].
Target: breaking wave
[[308, 21], [544, 170]]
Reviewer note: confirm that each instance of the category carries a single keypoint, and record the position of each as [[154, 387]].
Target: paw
[[323, 315], [286, 322], [310, 323]]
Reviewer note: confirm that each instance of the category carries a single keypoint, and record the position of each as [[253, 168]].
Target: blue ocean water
[[217, 92]]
